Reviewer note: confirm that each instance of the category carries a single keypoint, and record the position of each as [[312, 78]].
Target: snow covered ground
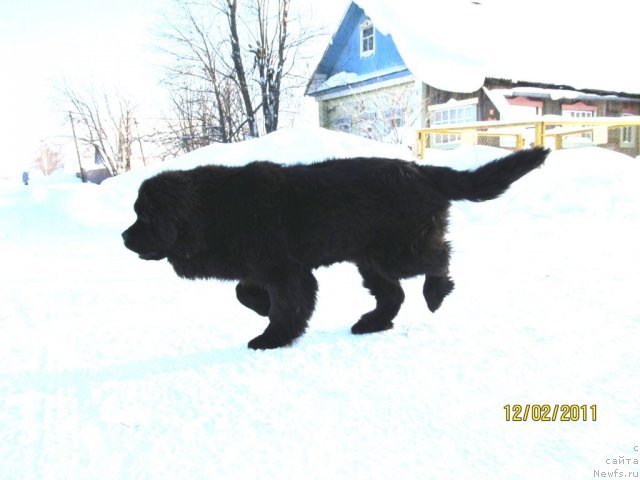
[[114, 368]]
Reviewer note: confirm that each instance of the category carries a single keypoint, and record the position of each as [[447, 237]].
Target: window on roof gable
[[367, 39]]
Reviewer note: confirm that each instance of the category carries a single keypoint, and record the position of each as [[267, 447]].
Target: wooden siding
[[369, 113]]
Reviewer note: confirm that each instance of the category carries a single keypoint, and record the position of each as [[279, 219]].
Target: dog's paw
[[436, 289], [364, 326], [266, 342]]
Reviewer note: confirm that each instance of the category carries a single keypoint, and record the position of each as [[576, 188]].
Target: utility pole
[[144, 162], [75, 140]]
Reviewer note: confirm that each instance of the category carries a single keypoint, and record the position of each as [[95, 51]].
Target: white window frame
[[628, 135], [451, 113], [394, 118], [367, 124], [342, 124], [579, 113], [369, 48]]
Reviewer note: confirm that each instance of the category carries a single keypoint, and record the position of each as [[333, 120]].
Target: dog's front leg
[[254, 297], [389, 297], [292, 302]]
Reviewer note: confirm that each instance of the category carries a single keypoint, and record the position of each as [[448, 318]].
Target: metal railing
[[618, 133]]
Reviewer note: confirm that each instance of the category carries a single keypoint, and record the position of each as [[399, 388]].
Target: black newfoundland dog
[[269, 226]]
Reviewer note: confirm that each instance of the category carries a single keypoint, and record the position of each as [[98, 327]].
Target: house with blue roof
[[361, 83], [364, 87]]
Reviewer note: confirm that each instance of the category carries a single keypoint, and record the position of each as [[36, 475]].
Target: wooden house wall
[[352, 108]]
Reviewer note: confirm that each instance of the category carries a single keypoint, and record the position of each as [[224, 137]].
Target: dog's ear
[[166, 229], [166, 195], [169, 203]]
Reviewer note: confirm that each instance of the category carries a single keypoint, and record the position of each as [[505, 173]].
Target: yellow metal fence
[[617, 133]]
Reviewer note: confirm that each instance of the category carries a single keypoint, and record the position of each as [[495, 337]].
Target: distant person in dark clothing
[[25, 178]]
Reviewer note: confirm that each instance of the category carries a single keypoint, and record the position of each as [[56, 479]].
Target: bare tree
[[107, 123], [233, 62], [238, 71], [383, 115], [270, 58]]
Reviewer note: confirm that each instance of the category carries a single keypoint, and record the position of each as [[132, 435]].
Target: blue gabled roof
[[343, 53], [340, 40]]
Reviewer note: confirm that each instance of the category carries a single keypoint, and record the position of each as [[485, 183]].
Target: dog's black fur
[[269, 226]]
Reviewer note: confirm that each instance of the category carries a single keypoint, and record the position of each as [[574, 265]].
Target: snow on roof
[[341, 79], [498, 97], [454, 45]]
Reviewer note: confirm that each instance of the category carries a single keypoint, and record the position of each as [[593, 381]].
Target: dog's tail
[[488, 181]]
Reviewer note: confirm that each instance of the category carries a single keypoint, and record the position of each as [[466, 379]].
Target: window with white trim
[[367, 39], [627, 136], [451, 113], [367, 123], [394, 118], [578, 113], [343, 124]]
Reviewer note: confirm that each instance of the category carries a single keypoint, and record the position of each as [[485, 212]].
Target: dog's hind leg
[[292, 302], [435, 289], [389, 297], [254, 297], [437, 283]]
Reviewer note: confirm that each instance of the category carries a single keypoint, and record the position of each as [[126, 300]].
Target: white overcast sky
[[45, 42]]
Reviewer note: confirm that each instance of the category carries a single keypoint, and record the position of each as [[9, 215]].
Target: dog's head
[[164, 208]]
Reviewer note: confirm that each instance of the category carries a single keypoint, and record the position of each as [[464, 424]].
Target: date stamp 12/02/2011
[[550, 413]]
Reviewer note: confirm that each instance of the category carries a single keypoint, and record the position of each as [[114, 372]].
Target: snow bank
[[463, 157], [286, 146]]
